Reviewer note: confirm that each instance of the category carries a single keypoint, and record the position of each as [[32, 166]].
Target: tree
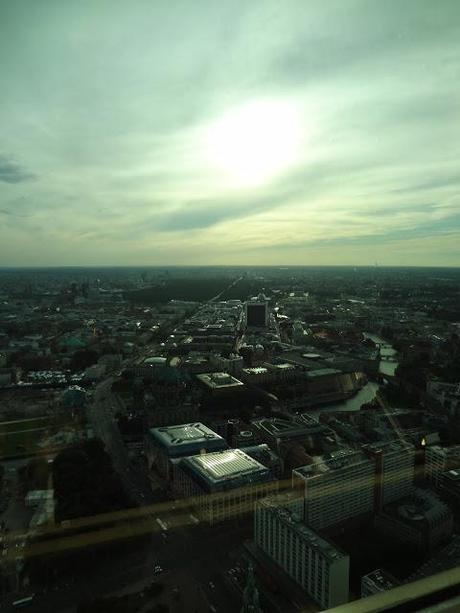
[[154, 589], [34, 475], [83, 359], [85, 482]]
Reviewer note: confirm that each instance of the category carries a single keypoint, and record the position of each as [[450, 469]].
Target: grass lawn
[[21, 436]]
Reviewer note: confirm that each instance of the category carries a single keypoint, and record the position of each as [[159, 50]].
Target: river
[[386, 367], [368, 392]]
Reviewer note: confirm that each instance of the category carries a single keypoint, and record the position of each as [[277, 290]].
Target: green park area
[[21, 437]]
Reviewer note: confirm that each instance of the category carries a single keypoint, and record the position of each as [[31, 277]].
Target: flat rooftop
[[280, 428], [219, 380], [394, 446], [255, 370], [323, 372], [453, 476], [225, 469], [381, 579], [336, 460], [283, 366], [185, 439]]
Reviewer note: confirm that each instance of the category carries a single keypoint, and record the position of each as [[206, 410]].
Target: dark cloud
[[301, 185], [204, 214], [11, 172]]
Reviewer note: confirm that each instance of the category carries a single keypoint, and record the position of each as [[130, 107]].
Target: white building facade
[[337, 489], [311, 561]]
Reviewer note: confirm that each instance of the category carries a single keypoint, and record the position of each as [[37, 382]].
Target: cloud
[[113, 129], [11, 172]]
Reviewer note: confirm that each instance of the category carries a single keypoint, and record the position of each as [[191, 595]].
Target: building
[[233, 364], [444, 559], [171, 442], [421, 520], [263, 454], [35, 497], [444, 397], [219, 383], [150, 367], [449, 487], [280, 433], [394, 470], [256, 311], [269, 373], [326, 385], [6, 376], [440, 459], [317, 383], [316, 565], [337, 487], [377, 581], [224, 484]]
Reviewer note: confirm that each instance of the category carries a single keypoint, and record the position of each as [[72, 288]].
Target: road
[[194, 559], [197, 553], [101, 416]]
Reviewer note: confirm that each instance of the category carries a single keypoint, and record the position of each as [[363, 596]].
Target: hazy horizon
[[230, 133], [225, 266]]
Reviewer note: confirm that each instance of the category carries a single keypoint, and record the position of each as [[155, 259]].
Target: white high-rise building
[[315, 564], [337, 488]]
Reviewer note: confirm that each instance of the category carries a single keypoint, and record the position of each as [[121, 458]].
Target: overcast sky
[[107, 107]]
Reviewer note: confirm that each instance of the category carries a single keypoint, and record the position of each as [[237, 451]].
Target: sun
[[256, 142]]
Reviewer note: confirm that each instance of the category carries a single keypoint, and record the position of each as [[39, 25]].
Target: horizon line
[[371, 266]]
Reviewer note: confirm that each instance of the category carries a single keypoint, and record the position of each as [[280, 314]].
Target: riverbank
[[369, 391]]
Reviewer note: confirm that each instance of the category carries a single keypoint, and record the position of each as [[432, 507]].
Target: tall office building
[[315, 564], [338, 488], [394, 470], [440, 459], [257, 314]]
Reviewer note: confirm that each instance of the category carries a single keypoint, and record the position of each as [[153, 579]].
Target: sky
[[232, 132]]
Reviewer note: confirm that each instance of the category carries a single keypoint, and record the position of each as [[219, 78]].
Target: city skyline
[[229, 133]]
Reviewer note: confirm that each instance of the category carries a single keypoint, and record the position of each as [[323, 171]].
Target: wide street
[[192, 555]]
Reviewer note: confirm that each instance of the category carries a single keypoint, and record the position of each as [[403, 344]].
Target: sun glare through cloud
[[256, 142]]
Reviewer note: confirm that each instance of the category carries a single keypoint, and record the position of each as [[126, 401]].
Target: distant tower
[[257, 313], [251, 594]]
